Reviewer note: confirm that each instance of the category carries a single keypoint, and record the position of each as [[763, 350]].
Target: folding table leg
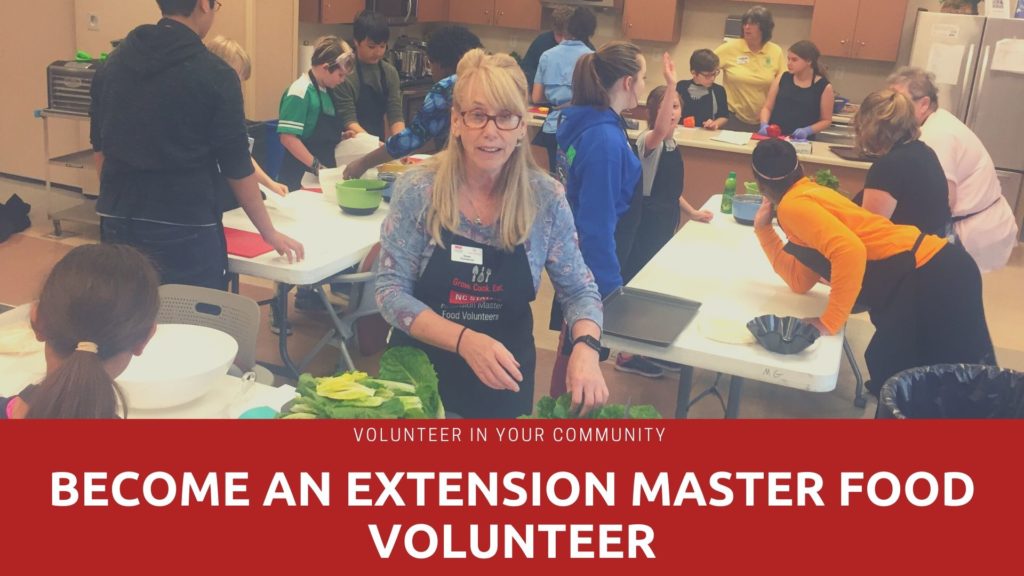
[[339, 327], [735, 390], [685, 388], [279, 309], [858, 399]]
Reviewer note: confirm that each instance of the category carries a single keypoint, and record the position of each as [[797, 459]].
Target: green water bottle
[[728, 193]]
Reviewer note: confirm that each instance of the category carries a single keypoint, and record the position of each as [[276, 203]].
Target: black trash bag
[[13, 217], [953, 391]]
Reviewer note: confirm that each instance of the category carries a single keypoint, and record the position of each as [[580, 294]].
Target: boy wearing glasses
[[701, 98]]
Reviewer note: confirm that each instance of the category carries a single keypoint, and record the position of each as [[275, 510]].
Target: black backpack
[[13, 217]]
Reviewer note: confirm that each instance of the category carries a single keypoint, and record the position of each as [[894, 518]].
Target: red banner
[[665, 496]]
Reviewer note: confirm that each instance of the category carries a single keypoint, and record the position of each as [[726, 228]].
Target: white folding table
[[333, 242], [721, 264]]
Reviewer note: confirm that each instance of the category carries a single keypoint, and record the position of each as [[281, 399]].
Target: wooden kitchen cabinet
[[432, 11], [656, 20], [873, 34], [879, 26], [503, 13], [517, 14], [330, 11], [471, 12]]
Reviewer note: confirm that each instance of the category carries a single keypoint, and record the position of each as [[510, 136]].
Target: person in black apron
[[924, 314], [492, 298], [363, 106], [462, 251], [307, 101], [372, 105]]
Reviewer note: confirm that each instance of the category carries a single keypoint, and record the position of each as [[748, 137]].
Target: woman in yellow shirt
[[749, 67], [924, 294]]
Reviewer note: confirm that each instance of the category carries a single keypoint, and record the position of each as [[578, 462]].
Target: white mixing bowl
[[180, 364]]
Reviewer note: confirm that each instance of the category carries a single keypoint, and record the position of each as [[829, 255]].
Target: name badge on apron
[[467, 255], [743, 60]]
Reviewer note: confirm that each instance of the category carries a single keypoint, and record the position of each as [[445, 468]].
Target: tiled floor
[[26, 258]]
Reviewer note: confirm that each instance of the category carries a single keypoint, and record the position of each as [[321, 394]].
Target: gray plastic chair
[[232, 314]]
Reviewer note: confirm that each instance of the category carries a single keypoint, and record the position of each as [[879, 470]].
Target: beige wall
[[116, 19], [37, 34]]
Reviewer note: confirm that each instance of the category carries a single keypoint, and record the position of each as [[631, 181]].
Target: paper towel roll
[[305, 56]]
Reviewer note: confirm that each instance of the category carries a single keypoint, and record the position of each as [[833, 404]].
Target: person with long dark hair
[[800, 100], [97, 309]]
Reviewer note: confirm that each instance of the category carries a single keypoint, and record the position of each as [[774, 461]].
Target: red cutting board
[[245, 244]]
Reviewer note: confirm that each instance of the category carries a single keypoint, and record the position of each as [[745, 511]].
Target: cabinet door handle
[[842, 41]]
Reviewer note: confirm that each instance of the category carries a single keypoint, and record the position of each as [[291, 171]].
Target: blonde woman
[[463, 247], [906, 183], [232, 52]]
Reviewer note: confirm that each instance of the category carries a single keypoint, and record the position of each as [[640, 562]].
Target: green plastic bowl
[[359, 197]]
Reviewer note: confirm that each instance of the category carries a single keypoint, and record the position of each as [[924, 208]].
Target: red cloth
[[245, 244]]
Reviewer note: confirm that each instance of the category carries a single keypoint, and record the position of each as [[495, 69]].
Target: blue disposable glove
[[802, 133], [764, 129]]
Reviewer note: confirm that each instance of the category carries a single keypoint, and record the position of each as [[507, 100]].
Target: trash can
[[953, 391]]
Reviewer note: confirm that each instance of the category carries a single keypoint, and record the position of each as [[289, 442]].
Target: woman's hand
[[710, 125], [492, 363], [286, 246], [584, 379], [669, 70], [763, 218]]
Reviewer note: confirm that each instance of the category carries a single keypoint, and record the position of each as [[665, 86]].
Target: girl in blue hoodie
[[601, 173]]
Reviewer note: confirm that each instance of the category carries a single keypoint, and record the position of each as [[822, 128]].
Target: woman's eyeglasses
[[477, 119]]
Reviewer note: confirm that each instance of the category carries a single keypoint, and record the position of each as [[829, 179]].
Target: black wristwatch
[[589, 341], [315, 168]]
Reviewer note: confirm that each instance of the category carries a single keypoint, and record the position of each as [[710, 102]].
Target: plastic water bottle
[[728, 193]]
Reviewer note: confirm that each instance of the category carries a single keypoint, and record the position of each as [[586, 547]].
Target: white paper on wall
[[945, 60], [997, 8], [1009, 56]]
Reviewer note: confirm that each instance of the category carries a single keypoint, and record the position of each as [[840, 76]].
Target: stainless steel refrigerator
[[978, 63]]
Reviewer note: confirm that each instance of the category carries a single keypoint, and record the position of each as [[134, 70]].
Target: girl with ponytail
[[601, 172], [97, 309], [800, 100]]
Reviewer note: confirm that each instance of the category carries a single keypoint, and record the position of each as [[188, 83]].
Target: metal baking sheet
[[647, 317]]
